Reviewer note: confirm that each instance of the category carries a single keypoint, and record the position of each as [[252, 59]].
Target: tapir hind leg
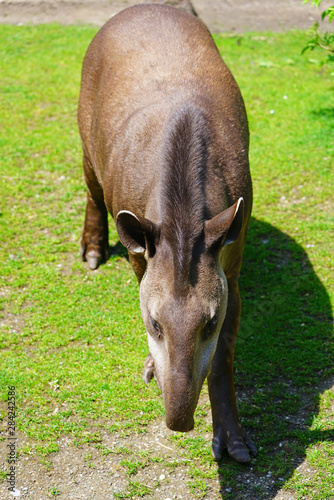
[[227, 430], [94, 240]]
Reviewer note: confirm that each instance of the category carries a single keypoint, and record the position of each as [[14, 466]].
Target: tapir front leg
[[138, 263], [94, 240], [148, 369], [227, 430]]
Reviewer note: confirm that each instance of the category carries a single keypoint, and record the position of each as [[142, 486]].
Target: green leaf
[[330, 13]]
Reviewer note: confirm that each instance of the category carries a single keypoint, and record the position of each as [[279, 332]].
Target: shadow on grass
[[118, 250], [327, 113], [283, 362]]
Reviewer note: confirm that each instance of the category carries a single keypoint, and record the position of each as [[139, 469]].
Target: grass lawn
[[73, 339]]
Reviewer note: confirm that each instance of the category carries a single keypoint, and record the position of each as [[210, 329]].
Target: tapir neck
[[183, 189]]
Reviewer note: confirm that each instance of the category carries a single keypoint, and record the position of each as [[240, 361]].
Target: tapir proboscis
[[165, 150]]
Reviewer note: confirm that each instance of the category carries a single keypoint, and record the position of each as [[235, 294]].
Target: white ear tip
[[240, 200], [121, 212]]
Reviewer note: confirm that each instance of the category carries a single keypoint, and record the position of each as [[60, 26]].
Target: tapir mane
[[183, 197]]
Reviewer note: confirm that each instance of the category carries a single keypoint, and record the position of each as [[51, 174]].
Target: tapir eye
[[156, 326], [210, 328]]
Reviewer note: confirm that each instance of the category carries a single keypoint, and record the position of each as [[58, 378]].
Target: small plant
[[55, 492], [3, 475], [88, 459], [133, 466], [134, 488], [47, 449], [47, 464], [323, 40]]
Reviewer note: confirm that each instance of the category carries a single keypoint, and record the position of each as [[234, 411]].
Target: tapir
[[165, 150]]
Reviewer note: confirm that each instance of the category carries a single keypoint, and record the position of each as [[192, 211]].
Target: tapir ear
[[137, 233], [225, 227]]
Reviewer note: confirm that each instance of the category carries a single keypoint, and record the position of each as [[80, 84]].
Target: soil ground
[[81, 473], [223, 15]]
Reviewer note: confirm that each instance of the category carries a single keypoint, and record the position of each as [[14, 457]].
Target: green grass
[[72, 341]]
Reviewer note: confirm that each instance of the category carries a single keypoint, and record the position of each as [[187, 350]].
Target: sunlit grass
[[72, 341]]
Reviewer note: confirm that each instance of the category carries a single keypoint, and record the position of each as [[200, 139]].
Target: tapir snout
[[180, 401], [180, 392]]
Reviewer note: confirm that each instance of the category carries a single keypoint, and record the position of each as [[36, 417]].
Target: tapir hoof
[[148, 369], [93, 256], [239, 449], [93, 260]]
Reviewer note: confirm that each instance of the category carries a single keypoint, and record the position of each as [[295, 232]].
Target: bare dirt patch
[[223, 15], [148, 464]]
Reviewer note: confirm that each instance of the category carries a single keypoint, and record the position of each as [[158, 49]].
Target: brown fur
[[183, 191], [165, 147]]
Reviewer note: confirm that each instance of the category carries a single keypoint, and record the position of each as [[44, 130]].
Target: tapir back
[[140, 68]]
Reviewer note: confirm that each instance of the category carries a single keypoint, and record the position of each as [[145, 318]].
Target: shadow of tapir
[[165, 150]]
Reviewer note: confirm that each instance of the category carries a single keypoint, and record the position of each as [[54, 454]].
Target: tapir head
[[183, 308]]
